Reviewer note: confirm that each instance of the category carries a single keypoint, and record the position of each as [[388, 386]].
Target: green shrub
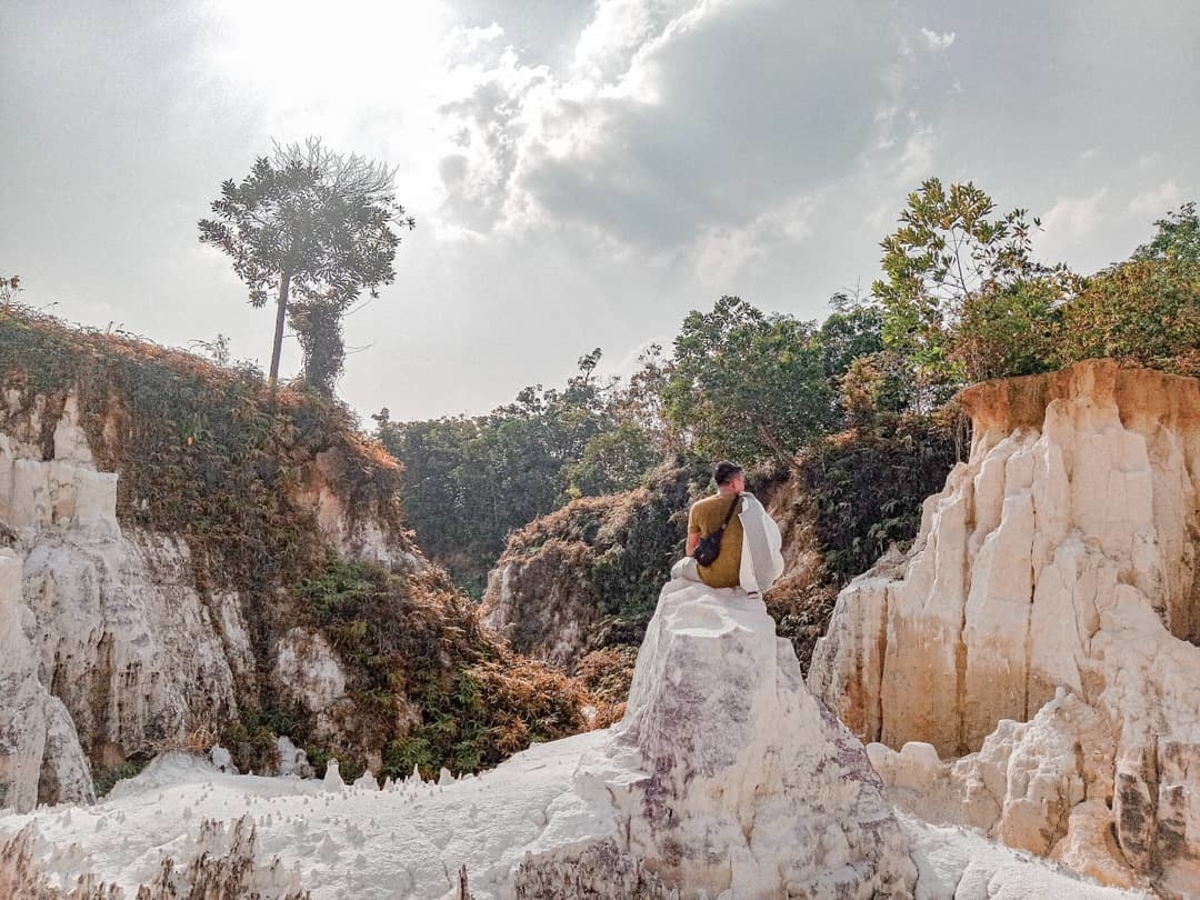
[[104, 779], [868, 485], [1145, 312]]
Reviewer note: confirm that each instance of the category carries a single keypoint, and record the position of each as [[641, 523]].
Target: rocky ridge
[[725, 775], [1041, 635]]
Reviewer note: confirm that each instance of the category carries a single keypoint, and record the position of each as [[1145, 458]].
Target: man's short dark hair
[[725, 470]]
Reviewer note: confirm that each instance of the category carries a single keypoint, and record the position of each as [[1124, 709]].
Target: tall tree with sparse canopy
[[313, 229]]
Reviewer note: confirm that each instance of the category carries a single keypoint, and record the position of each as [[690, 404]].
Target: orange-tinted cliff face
[[1057, 583], [1145, 400]]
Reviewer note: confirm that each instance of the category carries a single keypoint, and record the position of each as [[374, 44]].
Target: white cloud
[[486, 117], [710, 90], [722, 253], [1069, 224], [916, 160], [619, 29], [468, 40], [1158, 200], [1074, 217], [935, 42]]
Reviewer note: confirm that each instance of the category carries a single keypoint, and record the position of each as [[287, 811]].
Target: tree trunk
[[788, 459], [280, 317]]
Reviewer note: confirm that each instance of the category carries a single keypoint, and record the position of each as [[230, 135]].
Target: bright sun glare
[[358, 73], [355, 53]]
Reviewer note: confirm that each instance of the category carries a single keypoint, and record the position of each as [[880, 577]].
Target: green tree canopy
[[1178, 237], [951, 249], [469, 482], [313, 229], [612, 461], [1144, 312], [1010, 330], [747, 385], [853, 329]]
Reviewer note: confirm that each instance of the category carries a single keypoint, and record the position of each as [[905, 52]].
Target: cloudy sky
[[583, 172]]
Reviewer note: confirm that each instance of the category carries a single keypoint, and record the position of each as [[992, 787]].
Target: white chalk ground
[[963, 864], [411, 839]]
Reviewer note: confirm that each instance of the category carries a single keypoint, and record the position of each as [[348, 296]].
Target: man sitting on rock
[[749, 555]]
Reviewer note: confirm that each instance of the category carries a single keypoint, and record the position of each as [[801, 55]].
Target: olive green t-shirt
[[706, 517]]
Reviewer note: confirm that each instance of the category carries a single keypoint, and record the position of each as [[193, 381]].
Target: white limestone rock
[[333, 778], [292, 760], [65, 491], [725, 777], [531, 596], [111, 648], [1063, 556], [222, 759], [354, 536], [40, 756], [83, 575], [308, 673], [128, 643], [66, 774]]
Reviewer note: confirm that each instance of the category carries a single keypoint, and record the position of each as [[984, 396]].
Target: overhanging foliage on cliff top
[[204, 452]]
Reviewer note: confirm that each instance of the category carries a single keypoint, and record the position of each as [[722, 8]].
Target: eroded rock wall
[[110, 647], [1060, 560]]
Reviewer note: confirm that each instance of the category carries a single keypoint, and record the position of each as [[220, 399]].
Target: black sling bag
[[709, 548]]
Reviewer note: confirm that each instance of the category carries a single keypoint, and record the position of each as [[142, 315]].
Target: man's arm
[[693, 537]]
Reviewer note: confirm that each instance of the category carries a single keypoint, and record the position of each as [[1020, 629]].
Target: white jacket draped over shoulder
[[762, 557]]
